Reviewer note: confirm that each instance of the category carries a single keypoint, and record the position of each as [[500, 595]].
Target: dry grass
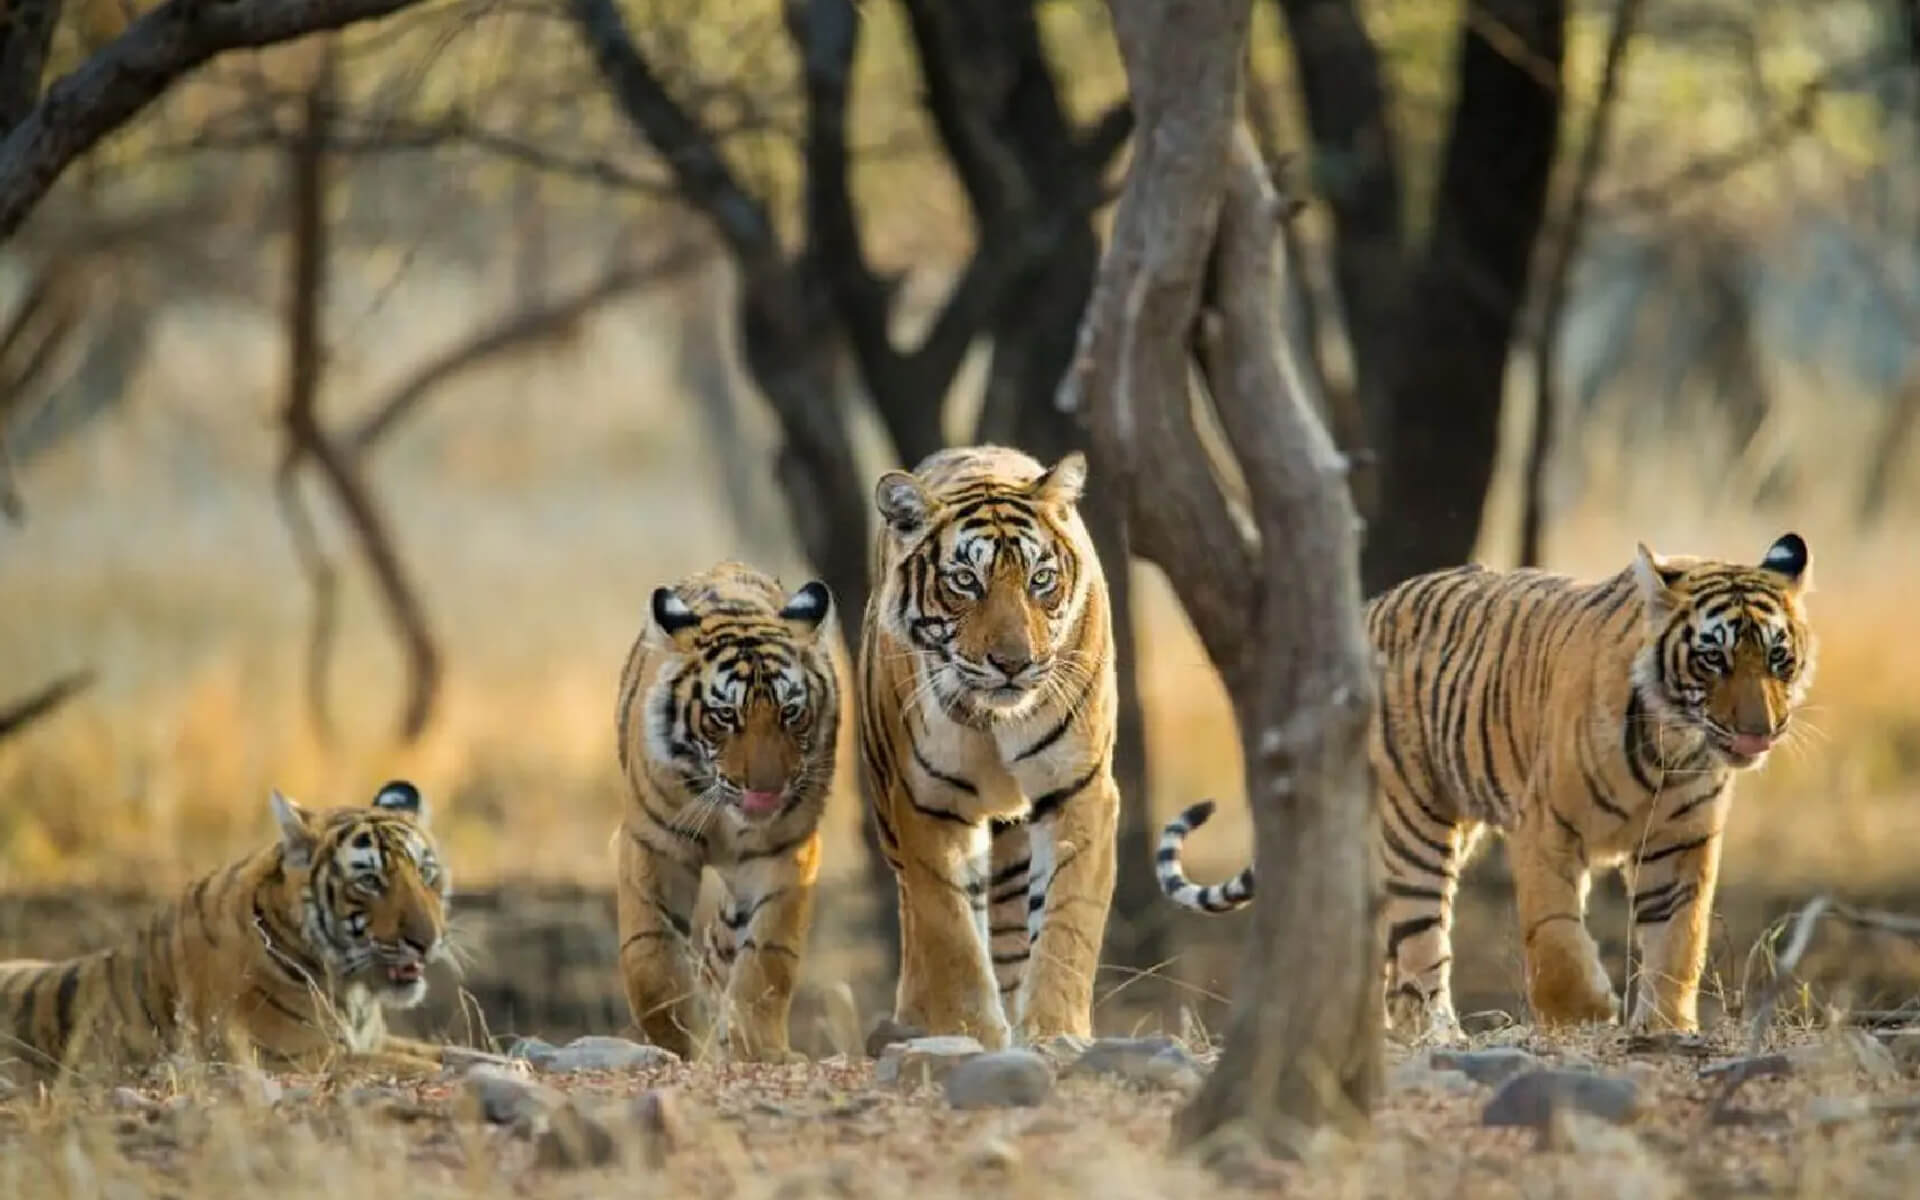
[[827, 1129]]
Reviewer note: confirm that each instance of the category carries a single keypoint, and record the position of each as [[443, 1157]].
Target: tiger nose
[[1009, 664]]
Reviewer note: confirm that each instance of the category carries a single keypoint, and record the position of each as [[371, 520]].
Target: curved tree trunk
[[1278, 609]]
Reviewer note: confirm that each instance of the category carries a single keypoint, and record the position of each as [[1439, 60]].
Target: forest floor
[[1814, 1114]]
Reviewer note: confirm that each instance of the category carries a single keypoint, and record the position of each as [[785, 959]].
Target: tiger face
[[1731, 652], [989, 585], [740, 712], [373, 890]]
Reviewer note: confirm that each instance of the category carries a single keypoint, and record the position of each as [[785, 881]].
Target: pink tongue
[[1751, 743], [759, 803]]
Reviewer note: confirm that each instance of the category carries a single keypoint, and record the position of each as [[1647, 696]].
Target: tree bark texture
[[1277, 605]]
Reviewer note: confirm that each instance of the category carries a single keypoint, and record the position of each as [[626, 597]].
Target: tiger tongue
[[759, 804]]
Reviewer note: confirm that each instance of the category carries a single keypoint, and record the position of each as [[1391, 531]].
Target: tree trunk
[[1279, 610], [1468, 291]]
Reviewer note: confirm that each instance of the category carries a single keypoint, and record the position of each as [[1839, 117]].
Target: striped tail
[[1213, 898]]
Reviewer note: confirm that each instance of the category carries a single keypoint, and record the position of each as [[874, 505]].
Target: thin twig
[[22, 713]]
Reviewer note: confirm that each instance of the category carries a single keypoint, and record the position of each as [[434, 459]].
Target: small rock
[[1492, 1067], [1849, 1051], [500, 1097], [595, 1054], [887, 1031], [1486, 1021], [1529, 1099], [1063, 1048], [531, 1049], [572, 1140], [1838, 1110], [663, 1126], [907, 1065], [1904, 1045], [1002, 1079], [1158, 1062], [129, 1100]]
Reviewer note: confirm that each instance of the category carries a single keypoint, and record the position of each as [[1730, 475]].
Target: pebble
[[499, 1097], [1156, 1062], [907, 1065], [1530, 1099], [592, 1053], [1492, 1067], [1002, 1079]]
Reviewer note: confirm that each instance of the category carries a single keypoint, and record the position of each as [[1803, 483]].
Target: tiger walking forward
[[986, 694], [728, 720], [1594, 725], [289, 955]]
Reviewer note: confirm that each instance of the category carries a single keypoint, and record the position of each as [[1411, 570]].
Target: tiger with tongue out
[[728, 721]]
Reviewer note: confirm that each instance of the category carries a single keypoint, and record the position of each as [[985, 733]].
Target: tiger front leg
[[946, 979], [1673, 887], [1070, 889], [770, 919], [654, 903], [1567, 984]]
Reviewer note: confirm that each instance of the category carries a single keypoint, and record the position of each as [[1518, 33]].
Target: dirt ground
[[829, 1129]]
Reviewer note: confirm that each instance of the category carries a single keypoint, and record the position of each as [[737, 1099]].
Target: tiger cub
[[288, 955], [986, 733], [1595, 725], [728, 721]]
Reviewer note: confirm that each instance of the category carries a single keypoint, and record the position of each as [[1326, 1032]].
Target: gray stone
[[1848, 1052], [907, 1065], [593, 1054], [1530, 1099], [1493, 1066], [1002, 1079], [886, 1032], [573, 1140], [499, 1097], [1155, 1062]]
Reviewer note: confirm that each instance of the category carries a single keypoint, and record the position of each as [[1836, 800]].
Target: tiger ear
[[296, 836], [1656, 578], [1788, 558], [671, 613], [397, 795], [903, 502], [1064, 481], [807, 608]]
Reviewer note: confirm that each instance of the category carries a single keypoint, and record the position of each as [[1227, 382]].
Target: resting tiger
[[288, 955], [728, 721], [1593, 724], [986, 732]]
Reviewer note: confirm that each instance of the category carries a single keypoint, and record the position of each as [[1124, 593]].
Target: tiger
[[288, 957], [986, 712], [728, 723], [1594, 725]]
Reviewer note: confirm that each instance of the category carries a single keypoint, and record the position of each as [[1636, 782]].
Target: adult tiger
[[1595, 725], [986, 732], [289, 955], [728, 721]]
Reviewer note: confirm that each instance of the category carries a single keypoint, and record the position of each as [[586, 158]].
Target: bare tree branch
[[306, 439], [24, 39], [513, 332], [24, 712], [1562, 247], [690, 150], [130, 72]]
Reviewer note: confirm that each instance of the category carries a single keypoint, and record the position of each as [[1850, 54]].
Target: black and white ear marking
[[296, 839], [903, 503], [1787, 556], [1064, 481], [670, 612], [400, 796], [808, 606]]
